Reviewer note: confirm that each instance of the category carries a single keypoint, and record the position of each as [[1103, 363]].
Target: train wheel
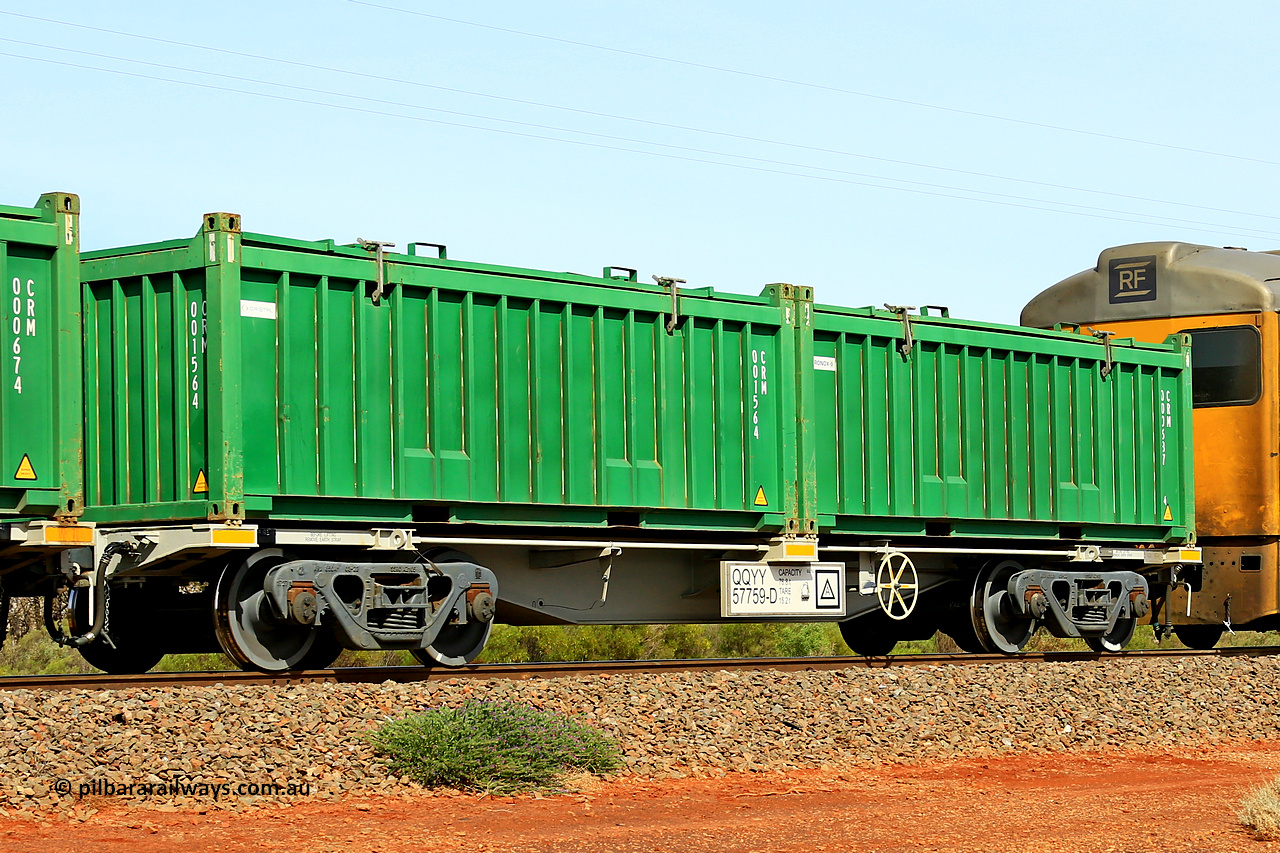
[[456, 645], [958, 625], [1198, 636], [869, 636], [249, 631], [1116, 639], [324, 651], [998, 626], [134, 651], [965, 638]]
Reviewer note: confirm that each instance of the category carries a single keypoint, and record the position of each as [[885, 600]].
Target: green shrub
[[34, 653], [810, 639], [1260, 811], [777, 639], [510, 644], [389, 657], [498, 747], [196, 662], [676, 642]]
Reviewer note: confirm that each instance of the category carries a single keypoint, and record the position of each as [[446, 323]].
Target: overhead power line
[[811, 85], [671, 146], [596, 114], [1035, 204]]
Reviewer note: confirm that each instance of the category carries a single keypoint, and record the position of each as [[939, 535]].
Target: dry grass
[[1260, 811]]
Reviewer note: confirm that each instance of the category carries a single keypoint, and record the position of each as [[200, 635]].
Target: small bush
[[1260, 811], [34, 653], [498, 747], [396, 657], [196, 662], [510, 644], [676, 642]]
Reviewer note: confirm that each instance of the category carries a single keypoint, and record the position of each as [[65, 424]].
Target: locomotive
[[1225, 301], [279, 448]]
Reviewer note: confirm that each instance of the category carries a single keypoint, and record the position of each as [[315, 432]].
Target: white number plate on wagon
[[781, 589]]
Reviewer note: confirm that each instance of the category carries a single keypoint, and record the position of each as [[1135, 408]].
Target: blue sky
[[963, 154]]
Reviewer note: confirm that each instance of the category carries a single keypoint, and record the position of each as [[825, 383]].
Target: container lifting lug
[[908, 340], [442, 251], [673, 319], [1105, 337], [376, 246]]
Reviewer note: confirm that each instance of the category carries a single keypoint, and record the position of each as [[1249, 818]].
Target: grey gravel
[[667, 725]]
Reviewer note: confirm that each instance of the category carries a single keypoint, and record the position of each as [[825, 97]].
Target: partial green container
[[985, 430], [41, 446], [246, 376]]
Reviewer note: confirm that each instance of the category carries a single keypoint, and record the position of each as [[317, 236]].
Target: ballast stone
[[667, 726]]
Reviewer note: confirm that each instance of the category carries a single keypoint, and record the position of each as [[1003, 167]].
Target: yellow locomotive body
[[1228, 301]]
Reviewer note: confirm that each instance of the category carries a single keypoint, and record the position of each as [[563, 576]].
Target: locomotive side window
[[1226, 366]]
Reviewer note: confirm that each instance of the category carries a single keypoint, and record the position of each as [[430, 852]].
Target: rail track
[[408, 674]]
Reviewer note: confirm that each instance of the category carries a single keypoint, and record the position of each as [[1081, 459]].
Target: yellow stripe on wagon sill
[[801, 549], [234, 536], [71, 535]]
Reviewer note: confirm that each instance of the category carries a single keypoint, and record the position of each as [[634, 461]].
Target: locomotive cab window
[[1226, 366]]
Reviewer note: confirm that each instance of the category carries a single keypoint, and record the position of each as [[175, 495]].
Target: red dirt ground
[[1122, 802]]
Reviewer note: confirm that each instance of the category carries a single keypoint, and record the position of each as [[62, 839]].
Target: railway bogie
[[990, 604]]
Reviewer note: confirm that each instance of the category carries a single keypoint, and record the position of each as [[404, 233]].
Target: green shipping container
[[245, 376], [41, 448], [239, 376], [984, 430]]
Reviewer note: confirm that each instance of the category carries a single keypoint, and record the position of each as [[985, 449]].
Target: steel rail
[[412, 674]]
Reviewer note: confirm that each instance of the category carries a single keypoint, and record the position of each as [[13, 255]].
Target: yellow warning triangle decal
[[761, 500], [25, 471], [1168, 513], [202, 485]]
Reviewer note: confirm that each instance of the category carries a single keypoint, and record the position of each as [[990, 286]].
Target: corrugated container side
[[998, 431], [469, 393], [41, 450], [147, 390]]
